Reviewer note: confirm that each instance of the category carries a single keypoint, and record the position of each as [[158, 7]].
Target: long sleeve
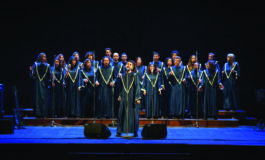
[[161, 76], [237, 70], [114, 78], [81, 80], [170, 77], [144, 83], [186, 75], [121, 86], [33, 73], [159, 82], [48, 76], [218, 78], [202, 80], [137, 88]]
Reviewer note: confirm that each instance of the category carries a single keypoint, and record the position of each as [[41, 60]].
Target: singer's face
[[129, 65], [106, 61], [116, 57], [139, 61], [124, 57], [73, 62], [61, 58], [77, 56], [195, 66], [169, 62], [151, 67], [156, 57], [57, 63], [210, 57], [193, 59], [88, 64], [90, 57], [174, 55], [108, 53], [43, 58], [177, 62], [229, 59]]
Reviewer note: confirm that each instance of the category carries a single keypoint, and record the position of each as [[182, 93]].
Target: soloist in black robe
[[128, 117]]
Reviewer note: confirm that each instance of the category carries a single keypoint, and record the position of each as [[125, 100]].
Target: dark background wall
[[135, 28]]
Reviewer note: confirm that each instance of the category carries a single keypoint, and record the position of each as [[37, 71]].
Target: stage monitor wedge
[[154, 131], [96, 130]]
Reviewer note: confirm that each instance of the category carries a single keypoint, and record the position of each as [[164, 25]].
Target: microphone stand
[[94, 107], [197, 95], [153, 90], [112, 124], [53, 105]]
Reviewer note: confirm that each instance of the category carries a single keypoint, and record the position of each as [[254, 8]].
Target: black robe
[[141, 70], [88, 109], [166, 94], [128, 117], [118, 68], [105, 105], [193, 82], [210, 84], [41, 76], [231, 86], [152, 86], [177, 100], [58, 92], [72, 93]]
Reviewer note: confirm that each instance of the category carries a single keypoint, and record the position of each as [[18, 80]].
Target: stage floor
[[243, 135], [69, 142]]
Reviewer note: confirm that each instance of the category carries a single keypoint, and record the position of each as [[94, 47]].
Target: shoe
[[118, 134], [135, 135]]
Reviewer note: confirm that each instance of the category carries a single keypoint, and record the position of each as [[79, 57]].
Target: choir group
[[110, 88]]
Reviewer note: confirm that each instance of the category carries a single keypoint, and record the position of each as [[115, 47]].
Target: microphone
[[127, 69]]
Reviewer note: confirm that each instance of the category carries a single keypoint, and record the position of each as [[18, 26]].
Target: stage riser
[[169, 122], [239, 114]]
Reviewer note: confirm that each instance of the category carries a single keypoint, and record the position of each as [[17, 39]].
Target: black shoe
[[118, 134]]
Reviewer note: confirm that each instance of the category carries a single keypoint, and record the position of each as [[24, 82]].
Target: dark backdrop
[[135, 28]]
